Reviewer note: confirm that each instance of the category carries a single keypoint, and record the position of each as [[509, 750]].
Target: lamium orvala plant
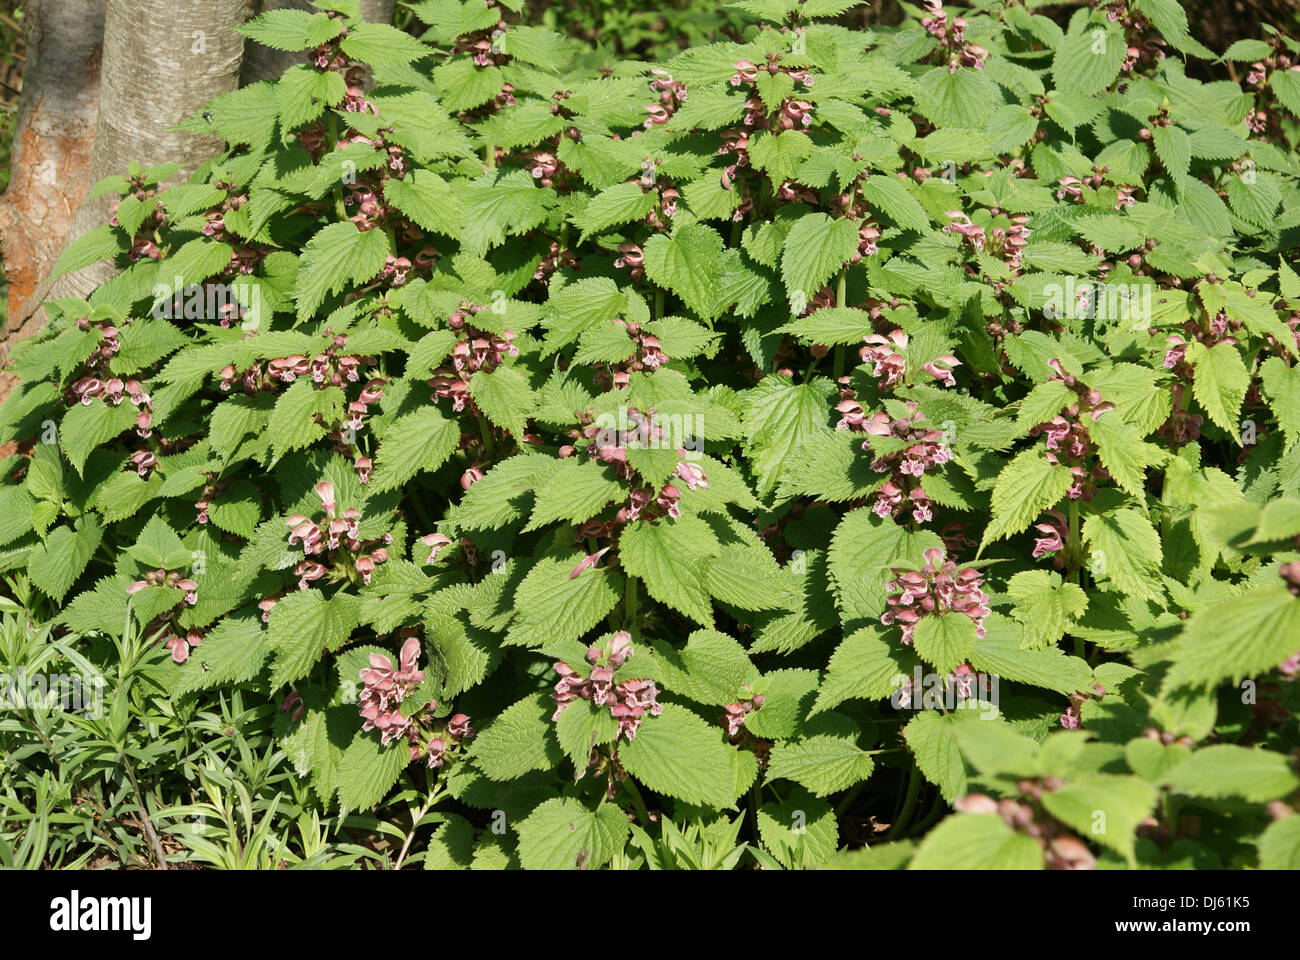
[[870, 447]]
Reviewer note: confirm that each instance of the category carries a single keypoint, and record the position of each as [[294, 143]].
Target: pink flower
[[733, 717], [384, 689], [692, 475], [629, 701], [938, 589], [1054, 535], [620, 648], [179, 648], [1290, 573], [941, 369], [295, 703], [325, 490], [588, 562], [436, 542], [144, 463]]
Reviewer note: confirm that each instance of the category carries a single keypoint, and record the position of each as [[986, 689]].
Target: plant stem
[[630, 604], [406, 845], [638, 804], [1074, 549], [849, 797], [935, 809], [144, 814], [485, 432], [909, 803], [1074, 553]]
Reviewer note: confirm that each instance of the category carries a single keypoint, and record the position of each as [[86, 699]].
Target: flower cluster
[[1006, 242], [609, 444], [936, 589], [483, 46], [163, 578], [144, 241], [961, 682], [629, 701], [1062, 850], [331, 368], [476, 350], [244, 256], [1055, 533], [100, 382], [1072, 719], [556, 259], [952, 37], [383, 690], [177, 641], [671, 93], [335, 531], [734, 714], [912, 449], [114, 391], [794, 113], [1067, 440], [887, 356], [212, 489], [649, 355]]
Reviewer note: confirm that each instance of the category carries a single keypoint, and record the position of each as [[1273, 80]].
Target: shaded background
[[675, 24]]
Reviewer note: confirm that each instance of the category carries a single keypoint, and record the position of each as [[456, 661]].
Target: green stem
[[406, 846], [909, 804], [936, 809], [630, 604], [843, 806], [1074, 549], [638, 804], [485, 432], [331, 141], [841, 297], [1074, 555], [1166, 494], [158, 851], [659, 305]]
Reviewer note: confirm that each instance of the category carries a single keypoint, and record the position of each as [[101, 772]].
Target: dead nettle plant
[[650, 460]]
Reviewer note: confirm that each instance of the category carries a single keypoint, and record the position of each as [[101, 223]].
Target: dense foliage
[[838, 439]]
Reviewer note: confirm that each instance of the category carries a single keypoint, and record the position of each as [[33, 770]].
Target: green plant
[[638, 464]]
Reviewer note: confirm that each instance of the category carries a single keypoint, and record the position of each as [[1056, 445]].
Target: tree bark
[[266, 63], [163, 60], [377, 11], [53, 139]]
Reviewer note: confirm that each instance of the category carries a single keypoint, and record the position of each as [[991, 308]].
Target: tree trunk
[[266, 63], [377, 11], [53, 138], [163, 60]]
